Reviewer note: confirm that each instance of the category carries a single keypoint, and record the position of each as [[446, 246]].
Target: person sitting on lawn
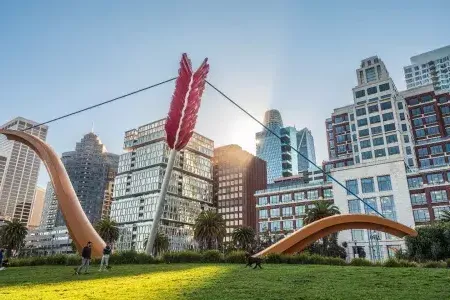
[[105, 258], [85, 258]]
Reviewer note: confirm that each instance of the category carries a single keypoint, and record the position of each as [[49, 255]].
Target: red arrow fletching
[[185, 103]]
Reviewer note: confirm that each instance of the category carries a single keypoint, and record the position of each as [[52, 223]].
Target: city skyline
[[88, 66]]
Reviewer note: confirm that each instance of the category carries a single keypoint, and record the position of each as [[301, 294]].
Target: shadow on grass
[[324, 282], [30, 276]]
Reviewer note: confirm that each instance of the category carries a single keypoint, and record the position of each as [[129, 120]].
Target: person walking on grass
[[105, 258], [1, 260], [85, 259]]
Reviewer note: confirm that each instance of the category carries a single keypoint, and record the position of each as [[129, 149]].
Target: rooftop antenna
[[92, 129]]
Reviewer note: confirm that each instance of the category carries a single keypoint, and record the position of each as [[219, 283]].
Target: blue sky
[[296, 56]]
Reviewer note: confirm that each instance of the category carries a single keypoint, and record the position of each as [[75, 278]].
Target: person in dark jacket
[[105, 258], [1, 259], [85, 258]]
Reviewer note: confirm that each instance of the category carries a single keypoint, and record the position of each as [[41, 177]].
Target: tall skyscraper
[[3, 161], [37, 208], [237, 176], [20, 176], [431, 67], [305, 145], [90, 168], [280, 155], [50, 209], [138, 184]]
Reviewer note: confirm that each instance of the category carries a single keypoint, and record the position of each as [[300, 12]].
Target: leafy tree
[[320, 210], [431, 243], [161, 244], [243, 237], [329, 249], [209, 229], [445, 216], [108, 230], [13, 235]]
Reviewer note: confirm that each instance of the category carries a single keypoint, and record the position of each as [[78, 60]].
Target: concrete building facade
[[37, 208]]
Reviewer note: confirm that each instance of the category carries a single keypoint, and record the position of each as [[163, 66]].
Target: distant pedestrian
[[85, 258], [105, 258], [1, 260]]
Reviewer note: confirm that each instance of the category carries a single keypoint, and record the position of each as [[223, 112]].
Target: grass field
[[199, 281]]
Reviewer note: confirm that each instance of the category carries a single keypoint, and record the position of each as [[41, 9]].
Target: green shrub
[[434, 264], [361, 262], [182, 257], [275, 258], [392, 263], [236, 257], [212, 256], [448, 263]]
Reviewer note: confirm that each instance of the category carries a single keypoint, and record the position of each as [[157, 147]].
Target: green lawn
[[199, 281]]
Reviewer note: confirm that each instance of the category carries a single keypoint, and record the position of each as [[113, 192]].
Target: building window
[[360, 112], [433, 130], [402, 116], [288, 225], [370, 206], [299, 196], [394, 150], [438, 210], [374, 119], [263, 226], [275, 226], [365, 144], [298, 223], [380, 153], [391, 139], [388, 207], [299, 210], [424, 163], [286, 198], [371, 75], [421, 215], [428, 109], [438, 196], [328, 193], [389, 127], [384, 183], [418, 199], [352, 186], [359, 94], [430, 119], [274, 199], [362, 122], [366, 155], [367, 185], [386, 105], [287, 211], [435, 178], [354, 207], [274, 212], [406, 138], [439, 161], [262, 201], [263, 214], [422, 152], [313, 195], [363, 132], [388, 116], [357, 235], [372, 90], [378, 141], [373, 108], [384, 87]]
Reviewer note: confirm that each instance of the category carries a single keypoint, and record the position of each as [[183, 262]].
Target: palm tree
[[108, 230], [161, 244], [321, 209], [209, 229], [445, 216], [243, 237], [13, 235]]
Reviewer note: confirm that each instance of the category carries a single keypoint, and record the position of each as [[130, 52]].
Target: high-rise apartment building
[[371, 150], [237, 176], [50, 209], [91, 170], [305, 145], [138, 184], [375, 127], [431, 67], [280, 155], [37, 208], [17, 188], [429, 183], [3, 161]]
